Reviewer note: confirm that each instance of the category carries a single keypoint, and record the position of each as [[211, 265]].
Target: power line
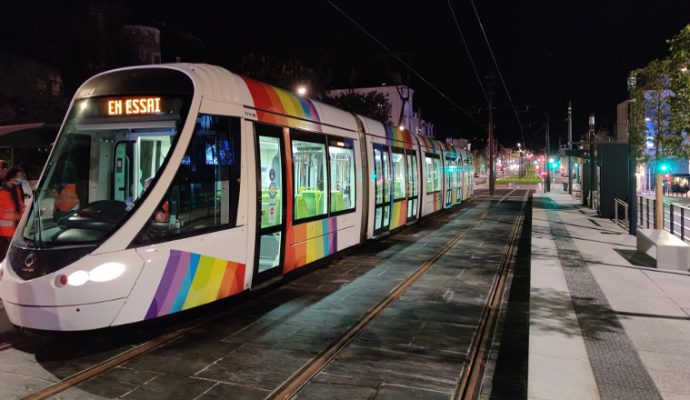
[[401, 61], [505, 87], [467, 49]]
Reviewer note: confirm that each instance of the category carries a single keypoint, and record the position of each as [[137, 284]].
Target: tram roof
[[273, 104]]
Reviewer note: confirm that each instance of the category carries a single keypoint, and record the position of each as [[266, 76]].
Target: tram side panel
[[324, 206], [432, 175], [393, 177]]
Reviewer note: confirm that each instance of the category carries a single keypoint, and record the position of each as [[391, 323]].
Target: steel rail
[[294, 383], [469, 384]]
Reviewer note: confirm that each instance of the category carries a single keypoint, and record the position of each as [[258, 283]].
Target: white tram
[[173, 186]]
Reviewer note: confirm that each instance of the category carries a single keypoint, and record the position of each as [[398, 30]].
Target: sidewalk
[[601, 327]]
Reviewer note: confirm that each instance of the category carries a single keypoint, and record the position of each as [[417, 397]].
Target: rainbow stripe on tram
[[399, 216], [311, 241], [395, 136], [190, 280], [277, 106]]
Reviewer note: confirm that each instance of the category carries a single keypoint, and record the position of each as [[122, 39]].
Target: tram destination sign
[[129, 106], [133, 106]]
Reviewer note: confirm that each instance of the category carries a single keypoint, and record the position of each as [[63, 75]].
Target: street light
[[301, 90], [632, 179]]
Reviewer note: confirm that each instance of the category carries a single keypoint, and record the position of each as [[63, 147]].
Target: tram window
[[412, 174], [398, 159], [434, 173], [378, 176], [205, 191], [342, 173], [309, 171]]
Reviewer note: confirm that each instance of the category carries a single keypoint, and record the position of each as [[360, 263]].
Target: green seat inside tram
[[312, 200], [300, 207], [337, 203]]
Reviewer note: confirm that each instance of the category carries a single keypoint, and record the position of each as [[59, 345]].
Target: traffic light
[[664, 167]]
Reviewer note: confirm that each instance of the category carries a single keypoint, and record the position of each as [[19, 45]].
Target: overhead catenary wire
[[409, 67], [498, 70], [467, 49]]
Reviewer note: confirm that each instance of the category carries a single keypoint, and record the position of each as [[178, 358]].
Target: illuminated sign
[[134, 106]]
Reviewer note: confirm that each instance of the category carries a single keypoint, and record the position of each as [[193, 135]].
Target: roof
[[38, 134]]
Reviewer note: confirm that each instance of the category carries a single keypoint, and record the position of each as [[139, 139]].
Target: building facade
[[402, 110]]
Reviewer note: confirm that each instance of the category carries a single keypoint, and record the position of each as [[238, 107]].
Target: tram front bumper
[[64, 318]]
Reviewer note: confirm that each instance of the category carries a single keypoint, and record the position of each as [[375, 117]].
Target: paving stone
[[113, 383], [170, 386], [399, 392], [224, 391], [320, 391], [14, 386]]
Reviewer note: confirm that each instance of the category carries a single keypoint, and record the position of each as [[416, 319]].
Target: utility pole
[[570, 147], [547, 186], [592, 169], [489, 94]]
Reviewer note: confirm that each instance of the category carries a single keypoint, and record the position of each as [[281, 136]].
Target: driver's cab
[[98, 176], [137, 155]]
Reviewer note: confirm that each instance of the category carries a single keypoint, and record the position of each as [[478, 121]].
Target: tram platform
[[603, 322]]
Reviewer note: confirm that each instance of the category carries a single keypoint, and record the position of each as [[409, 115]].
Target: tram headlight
[[78, 278], [106, 272], [102, 273]]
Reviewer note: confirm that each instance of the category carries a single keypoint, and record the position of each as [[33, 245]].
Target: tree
[[651, 104], [679, 81], [373, 104], [286, 73], [661, 111]]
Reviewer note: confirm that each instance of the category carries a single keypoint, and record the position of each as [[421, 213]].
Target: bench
[[671, 252]]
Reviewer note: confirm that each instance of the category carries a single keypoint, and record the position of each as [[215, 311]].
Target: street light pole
[[592, 169], [570, 147], [632, 182], [547, 186]]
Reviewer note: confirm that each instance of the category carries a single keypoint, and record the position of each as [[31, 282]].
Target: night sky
[[549, 52]]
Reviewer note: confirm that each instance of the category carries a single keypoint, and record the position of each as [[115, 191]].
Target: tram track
[[478, 352], [293, 384], [469, 384]]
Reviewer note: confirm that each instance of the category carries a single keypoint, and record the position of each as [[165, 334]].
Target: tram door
[[122, 181], [382, 189], [412, 188], [271, 198], [451, 171]]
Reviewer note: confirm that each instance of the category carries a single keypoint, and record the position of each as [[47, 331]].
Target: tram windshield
[[108, 154]]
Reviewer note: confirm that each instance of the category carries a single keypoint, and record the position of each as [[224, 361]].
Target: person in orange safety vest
[[11, 206]]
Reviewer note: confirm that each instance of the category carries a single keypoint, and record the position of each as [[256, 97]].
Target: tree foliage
[[286, 73], [374, 105], [679, 80], [661, 103]]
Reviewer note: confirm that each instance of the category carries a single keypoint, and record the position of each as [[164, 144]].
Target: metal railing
[[676, 218], [617, 203]]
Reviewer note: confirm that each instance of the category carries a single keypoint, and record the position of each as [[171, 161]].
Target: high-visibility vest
[[163, 213], [8, 213], [67, 199]]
